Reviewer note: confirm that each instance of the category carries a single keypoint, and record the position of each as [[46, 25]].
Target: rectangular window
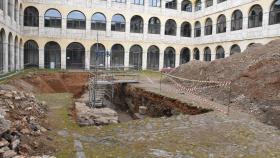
[[119, 1], [154, 3], [1, 5], [137, 2]]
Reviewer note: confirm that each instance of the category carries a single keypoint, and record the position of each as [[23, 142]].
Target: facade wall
[[108, 38]]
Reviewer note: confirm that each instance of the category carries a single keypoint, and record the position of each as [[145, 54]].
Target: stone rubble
[[94, 116], [20, 115]]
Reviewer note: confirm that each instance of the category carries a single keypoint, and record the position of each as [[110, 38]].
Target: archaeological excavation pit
[[128, 102]]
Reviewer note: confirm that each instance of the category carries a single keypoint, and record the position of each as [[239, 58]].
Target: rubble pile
[[21, 119]]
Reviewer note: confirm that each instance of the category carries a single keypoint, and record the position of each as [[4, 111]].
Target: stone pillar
[[41, 58], [6, 60], [12, 57], [177, 59], [87, 60], [63, 59], [144, 60], [108, 27], [161, 60], [18, 58], [5, 8], [126, 59]]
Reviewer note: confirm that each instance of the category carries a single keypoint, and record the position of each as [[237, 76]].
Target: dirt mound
[[255, 75], [72, 82]]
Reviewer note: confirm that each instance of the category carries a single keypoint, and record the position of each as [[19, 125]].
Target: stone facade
[[87, 37]]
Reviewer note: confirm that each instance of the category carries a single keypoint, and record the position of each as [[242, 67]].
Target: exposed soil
[[255, 76], [71, 82]]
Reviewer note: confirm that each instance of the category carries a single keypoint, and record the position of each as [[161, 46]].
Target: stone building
[[149, 34]]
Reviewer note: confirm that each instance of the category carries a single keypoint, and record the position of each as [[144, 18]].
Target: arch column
[[108, 27], [63, 59], [177, 59], [87, 59], [41, 58], [144, 59], [6, 59], [126, 58], [161, 60], [18, 57]]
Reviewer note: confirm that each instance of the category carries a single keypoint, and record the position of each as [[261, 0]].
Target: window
[[31, 17], [197, 5], [136, 24], [196, 54], [186, 6], [98, 22], [75, 56], [236, 20], [220, 1], [208, 3], [16, 10], [2, 4], [170, 27], [186, 29], [155, 3], [52, 55], [154, 26], [208, 27], [235, 49], [118, 23], [117, 55], [153, 58], [53, 18], [171, 4], [135, 56], [119, 1], [255, 16], [97, 55], [31, 54], [221, 24], [185, 56], [207, 54], [197, 29], [76, 20], [10, 8], [220, 52], [169, 57], [274, 15], [137, 2]]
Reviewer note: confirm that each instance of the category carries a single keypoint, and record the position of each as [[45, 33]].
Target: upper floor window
[[155, 3], [137, 2], [186, 29], [16, 10], [197, 29], [236, 20], [255, 16], [220, 1], [53, 18], [136, 24], [119, 1], [198, 5], [186, 6], [31, 17], [208, 26], [221, 24], [118, 23], [98, 22], [274, 16], [170, 27], [208, 3], [76, 20], [2, 4], [154, 25], [10, 8], [171, 4]]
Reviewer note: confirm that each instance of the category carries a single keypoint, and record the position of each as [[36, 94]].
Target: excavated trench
[[129, 101]]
